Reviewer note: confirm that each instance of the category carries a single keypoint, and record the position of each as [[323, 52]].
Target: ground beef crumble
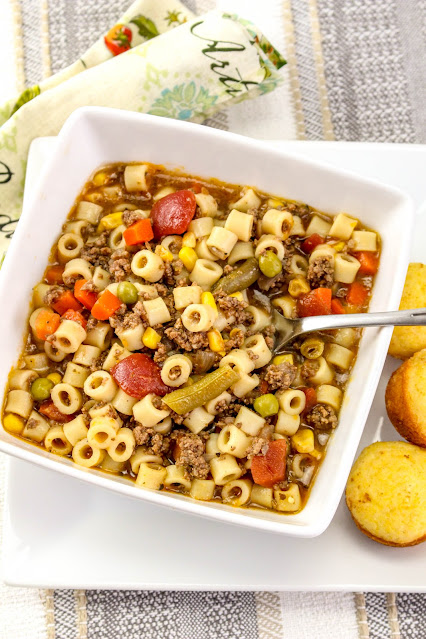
[[189, 453], [280, 377], [53, 294], [321, 272], [232, 307], [130, 217], [185, 339], [156, 443], [97, 252], [322, 417], [258, 446], [119, 265], [309, 369]]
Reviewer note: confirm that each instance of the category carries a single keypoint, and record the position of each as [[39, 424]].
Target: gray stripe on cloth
[[31, 38], [414, 48], [377, 615], [65, 614], [306, 70], [412, 615], [365, 71], [75, 26], [170, 615]]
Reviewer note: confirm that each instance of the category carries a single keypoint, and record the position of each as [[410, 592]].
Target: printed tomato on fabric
[[138, 375], [118, 39], [172, 214]]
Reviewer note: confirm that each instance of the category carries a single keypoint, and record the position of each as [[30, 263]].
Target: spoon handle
[[411, 317]]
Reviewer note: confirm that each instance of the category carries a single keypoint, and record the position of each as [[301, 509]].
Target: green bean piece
[[210, 386], [266, 405], [40, 388], [270, 264], [127, 293], [240, 278]]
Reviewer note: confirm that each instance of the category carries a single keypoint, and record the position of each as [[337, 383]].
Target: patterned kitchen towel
[[187, 73]]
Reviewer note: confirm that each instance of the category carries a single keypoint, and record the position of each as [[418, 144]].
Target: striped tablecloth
[[356, 71]]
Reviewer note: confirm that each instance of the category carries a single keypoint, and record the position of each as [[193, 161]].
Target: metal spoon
[[288, 329]]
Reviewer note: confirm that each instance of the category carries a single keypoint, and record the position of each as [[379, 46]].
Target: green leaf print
[[146, 27], [26, 96], [183, 102]]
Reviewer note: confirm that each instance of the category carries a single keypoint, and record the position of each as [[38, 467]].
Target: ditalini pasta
[[148, 354]]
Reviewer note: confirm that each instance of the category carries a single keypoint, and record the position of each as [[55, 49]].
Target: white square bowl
[[95, 136]]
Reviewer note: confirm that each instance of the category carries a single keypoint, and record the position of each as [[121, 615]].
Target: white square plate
[[49, 515], [92, 137]]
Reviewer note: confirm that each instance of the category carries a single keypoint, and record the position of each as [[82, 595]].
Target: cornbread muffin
[[406, 399], [406, 340], [386, 493]]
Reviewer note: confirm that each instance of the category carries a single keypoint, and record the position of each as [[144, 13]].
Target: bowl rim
[[310, 529]]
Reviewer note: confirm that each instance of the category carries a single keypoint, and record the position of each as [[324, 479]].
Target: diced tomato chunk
[[269, 469], [138, 375], [311, 398], [172, 214], [49, 409], [311, 243], [316, 302]]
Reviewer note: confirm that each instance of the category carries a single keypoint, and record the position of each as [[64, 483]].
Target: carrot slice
[[316, 302], [369, 262], [75, 316], [139, 232], [66, 301], [269, 469], [357, 294], [105, 305], [46, 324], [53, 274], [337, 307], [87, 298]]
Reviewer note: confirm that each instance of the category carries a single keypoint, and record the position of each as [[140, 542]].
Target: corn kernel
[[100, 179], [303, 441], [339, 247], [316, 454], [54, 377], [110, 222], [13, 423], [238, 295], [216, 342], [207, 298], [234, 332], [273, 203], [151, 338], [164, 253], [189, 240], [297, 286], [188, 256], [280, 359]]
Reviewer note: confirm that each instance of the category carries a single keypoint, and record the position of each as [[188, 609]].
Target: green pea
[[40, 388], [127, 293], [266, 405], [270, 264]]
